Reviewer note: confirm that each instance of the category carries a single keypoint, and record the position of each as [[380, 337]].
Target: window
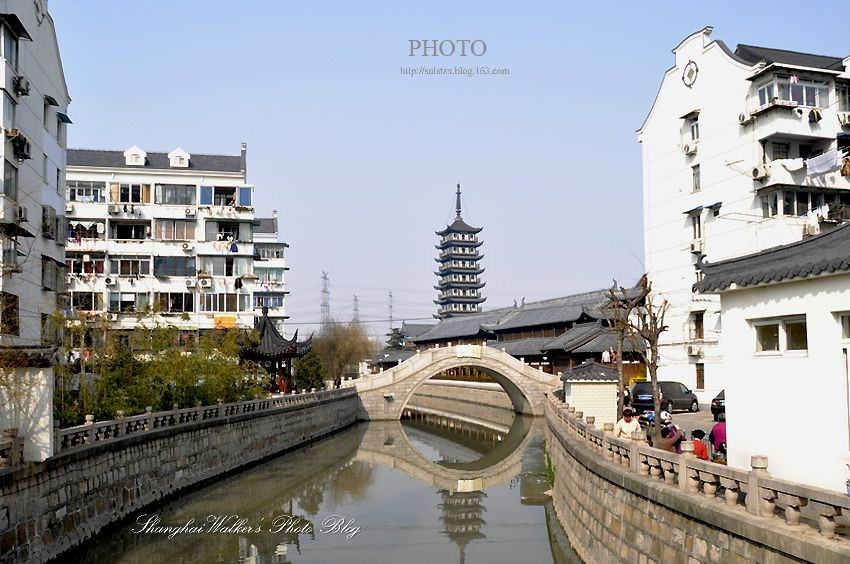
[[245, 196], [129, 231], [8, 253], [273, 251], [696, 181], [843, 98], [128, 302], [174, 266], [87, 301], [781, 335], [845, 326], [766, 94], [175, 229], [79, 230], [223, 196], [696, 225], [45, 113], [77, 263], [175, 302], [206, 195], [226, 266], [10, 47], [794, 89], [269, 300], [8, 112], [49, 330], [86, 191], [770, 204], [175, 194], [130, 193], [694, 127], [224, 302], [270, 275], [224, 230], [780, 150], [130, 265], [9, 317], [699, 325], [48, 222], [10, 181]]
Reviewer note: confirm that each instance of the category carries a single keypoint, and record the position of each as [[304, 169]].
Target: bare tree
[[621, 303], [646, 326], [339, 345]]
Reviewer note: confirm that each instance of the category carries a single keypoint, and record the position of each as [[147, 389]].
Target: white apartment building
[[270, 268], [161, 238], [32, 205], [727, 171]]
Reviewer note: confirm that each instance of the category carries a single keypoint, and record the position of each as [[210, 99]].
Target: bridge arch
[[384, 395]]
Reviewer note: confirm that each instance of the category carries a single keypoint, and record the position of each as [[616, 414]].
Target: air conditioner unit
[[110, 281], [844, 118], [189, 211], [69, 208], [191, 283], [21, 86], [697, 246], [798, 112], [22, 214], [690, 148], [113, 317], [205, 282], [114, 208], [760, 172], [694, 350], [745, 117], [86, 258], [187, 247]]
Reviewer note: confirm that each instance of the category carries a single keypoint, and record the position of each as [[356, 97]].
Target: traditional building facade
[[741, 152], [270, 267], [459, 287], [161, 238]]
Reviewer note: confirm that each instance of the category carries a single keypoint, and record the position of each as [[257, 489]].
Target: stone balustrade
[[93, 432], [11, 448], [795, 515]]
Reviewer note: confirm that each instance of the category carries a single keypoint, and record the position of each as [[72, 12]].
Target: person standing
[[627, 425]]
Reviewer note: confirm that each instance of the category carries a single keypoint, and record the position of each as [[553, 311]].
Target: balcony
[[781, 175], [788, 120]]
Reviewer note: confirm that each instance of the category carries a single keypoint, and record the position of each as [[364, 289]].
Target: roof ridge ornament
[[457, 203]]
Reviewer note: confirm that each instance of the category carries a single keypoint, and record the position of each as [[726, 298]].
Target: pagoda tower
[[460, 270]]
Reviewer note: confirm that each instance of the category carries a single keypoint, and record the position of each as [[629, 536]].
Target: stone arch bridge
[[385, 395]]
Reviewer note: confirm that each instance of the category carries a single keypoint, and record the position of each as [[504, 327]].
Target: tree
[[621, 304], [309, 371], [647, 325], [340, 345]]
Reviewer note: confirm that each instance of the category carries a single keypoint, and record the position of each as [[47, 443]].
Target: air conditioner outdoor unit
[[186, 246], [86, 258], [745, 117], [21, 85], [844, 118], [69, 208], [113, 317], [697, 246], [205, 282], [694, 350], [22, 214], [191, 283], [690, 148], [114, 208], [111, 281], [189, 211], [760, 172]]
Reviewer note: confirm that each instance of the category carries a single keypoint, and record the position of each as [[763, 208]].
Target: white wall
[[26, 395], [792, 408]]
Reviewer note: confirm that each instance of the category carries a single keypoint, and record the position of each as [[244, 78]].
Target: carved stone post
[[606, 441], [91, 431], [149, 414], [755, 503], [687, 481], [119, 428]]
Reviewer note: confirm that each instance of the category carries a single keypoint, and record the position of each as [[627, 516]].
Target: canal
[[436, 487]]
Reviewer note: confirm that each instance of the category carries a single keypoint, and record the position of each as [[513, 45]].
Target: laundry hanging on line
[[825, 162]]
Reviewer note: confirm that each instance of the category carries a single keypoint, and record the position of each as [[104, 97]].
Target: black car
[[718, 404], [674, 395]]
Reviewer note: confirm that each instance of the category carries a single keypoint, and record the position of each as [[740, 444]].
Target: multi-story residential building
[[741, 152], [161, 238], [32, 205], [270, 267], [460, 270]]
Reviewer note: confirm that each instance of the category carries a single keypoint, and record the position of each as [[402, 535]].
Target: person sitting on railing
[[627, 425], [669, 438], [667, 421], [700, 450]]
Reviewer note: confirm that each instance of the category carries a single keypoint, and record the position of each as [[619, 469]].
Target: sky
[[361, 160]]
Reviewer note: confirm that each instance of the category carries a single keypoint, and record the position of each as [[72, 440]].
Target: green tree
[[309, 371]]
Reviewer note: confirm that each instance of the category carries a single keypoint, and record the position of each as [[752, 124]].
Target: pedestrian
[[669, 438], [717, 436], [700, 450], [667, 421], [627, 425]]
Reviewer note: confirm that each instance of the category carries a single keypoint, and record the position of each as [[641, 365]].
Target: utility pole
[[356, 308], [326, 298]]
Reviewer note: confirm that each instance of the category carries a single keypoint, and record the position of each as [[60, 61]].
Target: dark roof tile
[[754, 54], [115, 159]]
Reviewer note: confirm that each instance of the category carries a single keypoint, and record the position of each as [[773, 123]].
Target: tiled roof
[[521, 347], [591, 371], [550, 312], [575, 336], [115, 159], [607, 340], [460, 326], [826, 253], [411, 330], [393, 357], [459, 226], [265, 225], [754, 54]]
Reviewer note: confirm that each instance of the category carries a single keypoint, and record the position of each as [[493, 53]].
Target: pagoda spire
[[457, 203]]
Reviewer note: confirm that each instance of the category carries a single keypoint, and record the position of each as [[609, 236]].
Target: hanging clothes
[[845, 166], [824, 163], [238, 284], [234, 248]]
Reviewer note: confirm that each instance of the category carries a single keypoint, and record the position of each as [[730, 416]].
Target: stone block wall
[[49, 507]]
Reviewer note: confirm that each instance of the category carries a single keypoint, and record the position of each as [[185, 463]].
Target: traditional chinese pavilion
[[275, 352]]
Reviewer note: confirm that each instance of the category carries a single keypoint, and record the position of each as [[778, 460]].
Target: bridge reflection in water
[[461, 468]]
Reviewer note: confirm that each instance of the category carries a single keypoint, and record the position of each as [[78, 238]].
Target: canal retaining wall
[[107, 470], [623, 501]]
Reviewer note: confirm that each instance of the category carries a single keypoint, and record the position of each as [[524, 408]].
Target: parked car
[[718, 404], [674, 395]]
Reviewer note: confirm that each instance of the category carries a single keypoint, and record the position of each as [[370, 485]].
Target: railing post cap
[[590, 419], [758, 462], [174, 406], [688, 448], [608, 427], [89, 419], [580, 414], [571, 409], [119, 414], [639, 435], [148, 409]]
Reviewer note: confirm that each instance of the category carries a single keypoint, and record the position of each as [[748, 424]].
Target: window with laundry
[[84, 263], [791, 88], [85, 191]]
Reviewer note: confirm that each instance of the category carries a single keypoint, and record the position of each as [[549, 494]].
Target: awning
[[14, 230], [56, 261], [690, 114], [64, 117], [50, 100], [694, 211], [15, 24], [715, 207]]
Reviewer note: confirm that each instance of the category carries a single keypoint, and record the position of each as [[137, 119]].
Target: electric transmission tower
[[356, 308], [390, 309], [326, 298]]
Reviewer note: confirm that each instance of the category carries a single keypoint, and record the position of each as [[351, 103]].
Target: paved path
[[690, 421]]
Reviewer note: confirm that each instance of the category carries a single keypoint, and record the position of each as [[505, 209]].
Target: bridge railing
[[754, 491], [80, 436]]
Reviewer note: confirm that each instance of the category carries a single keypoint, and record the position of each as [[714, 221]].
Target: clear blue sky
[[361, 161]]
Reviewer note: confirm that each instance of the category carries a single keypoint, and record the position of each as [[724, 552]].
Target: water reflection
[[424, 490]]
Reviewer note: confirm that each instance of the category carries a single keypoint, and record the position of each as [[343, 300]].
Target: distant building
[[741, 152], [786, 356], [270, 268], [160, 237], [460, 270], [399, 346]]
